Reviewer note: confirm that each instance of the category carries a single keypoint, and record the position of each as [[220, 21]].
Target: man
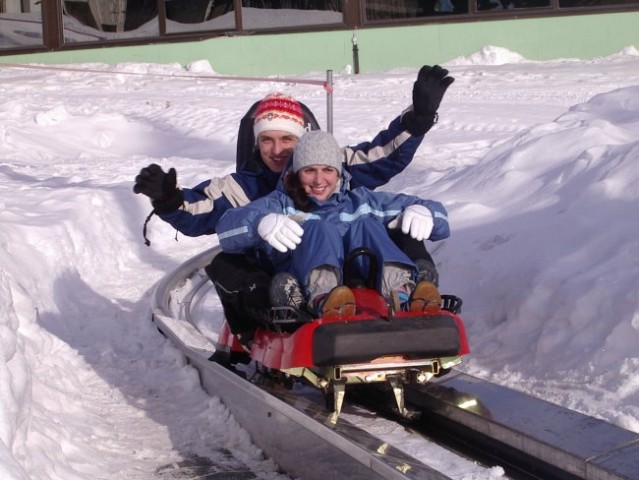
[[277, 125]]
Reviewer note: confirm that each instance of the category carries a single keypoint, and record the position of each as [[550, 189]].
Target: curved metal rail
[[543, 439], [295, 432]]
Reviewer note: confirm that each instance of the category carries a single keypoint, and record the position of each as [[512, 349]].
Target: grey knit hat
[[317, 148]]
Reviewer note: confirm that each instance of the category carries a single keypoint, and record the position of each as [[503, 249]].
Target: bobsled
[[377, 344]]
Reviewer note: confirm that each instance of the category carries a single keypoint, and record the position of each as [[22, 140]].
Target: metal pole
[[355, 54], [329, 101]]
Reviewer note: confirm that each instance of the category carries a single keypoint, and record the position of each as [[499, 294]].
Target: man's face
[[276, 148]]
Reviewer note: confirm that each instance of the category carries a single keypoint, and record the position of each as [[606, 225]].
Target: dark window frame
[[354, 17]]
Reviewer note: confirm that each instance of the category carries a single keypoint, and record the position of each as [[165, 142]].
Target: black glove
[[428, 91], [160, 187]]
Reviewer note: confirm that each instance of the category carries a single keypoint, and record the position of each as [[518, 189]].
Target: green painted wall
[[574, 36]]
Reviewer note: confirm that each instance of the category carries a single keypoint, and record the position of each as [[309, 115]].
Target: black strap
[[147, 242]]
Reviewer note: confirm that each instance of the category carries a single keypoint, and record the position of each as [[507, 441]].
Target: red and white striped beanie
[[279, 112]]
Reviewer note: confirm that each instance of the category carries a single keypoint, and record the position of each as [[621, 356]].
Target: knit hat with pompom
[[279, 112]]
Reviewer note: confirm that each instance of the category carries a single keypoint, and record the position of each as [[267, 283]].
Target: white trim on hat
[[278, 121]]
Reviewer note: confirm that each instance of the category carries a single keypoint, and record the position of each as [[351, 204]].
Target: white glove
[[415, 220], [280, 232]]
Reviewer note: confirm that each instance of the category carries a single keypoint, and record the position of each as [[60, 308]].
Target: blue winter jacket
[[237, 229], [370, 165]]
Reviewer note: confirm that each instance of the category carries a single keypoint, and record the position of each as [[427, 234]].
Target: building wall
[[569, 36]]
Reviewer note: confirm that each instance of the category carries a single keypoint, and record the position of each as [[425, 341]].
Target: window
[[94, 20], [20, 23], [484, 5], [396, 9], [595, 3], [290, 13], [199, 15]]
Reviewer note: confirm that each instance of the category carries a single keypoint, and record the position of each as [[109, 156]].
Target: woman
[[306, 227]]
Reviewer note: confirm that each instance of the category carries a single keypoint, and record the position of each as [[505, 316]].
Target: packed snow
[[536, 163]]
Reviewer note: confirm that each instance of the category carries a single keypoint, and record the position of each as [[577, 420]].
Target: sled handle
[[371, 279]]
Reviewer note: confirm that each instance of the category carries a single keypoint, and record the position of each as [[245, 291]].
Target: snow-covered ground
[[535, 161]]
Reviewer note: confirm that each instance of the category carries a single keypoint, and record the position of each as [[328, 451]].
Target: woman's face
[[318, 181]]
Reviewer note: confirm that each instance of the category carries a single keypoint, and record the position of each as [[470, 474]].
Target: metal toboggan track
[[530, 437]]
